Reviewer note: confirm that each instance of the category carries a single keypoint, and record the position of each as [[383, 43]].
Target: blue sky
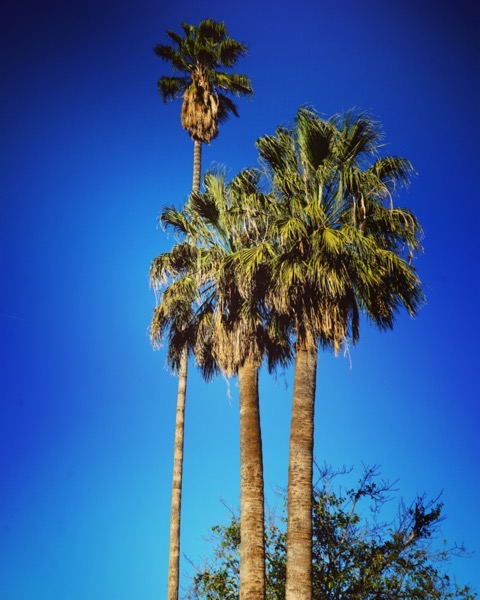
[[89, 155]]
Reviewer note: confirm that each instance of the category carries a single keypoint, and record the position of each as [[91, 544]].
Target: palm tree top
[[208, 307], [203, 57], [342, 246]]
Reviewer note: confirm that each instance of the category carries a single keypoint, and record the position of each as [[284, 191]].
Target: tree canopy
[[362, 548]]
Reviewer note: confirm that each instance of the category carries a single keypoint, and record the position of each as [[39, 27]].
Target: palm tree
[[227, 327], [201, 56], [340, 252]]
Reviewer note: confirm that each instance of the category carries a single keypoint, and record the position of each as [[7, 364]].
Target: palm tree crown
[[202, 55], [210, 306], [340, 249]]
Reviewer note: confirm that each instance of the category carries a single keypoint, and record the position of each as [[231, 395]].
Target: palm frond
[[172, 87], [233, 83], [169, 54], [171, 217], [230, 51], [314, 138], [226, 107]]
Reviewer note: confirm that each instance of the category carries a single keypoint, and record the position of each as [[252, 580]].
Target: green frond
[[172, 218], [360, 136], [160, 270], [207, 56], [233, 83], [205, 208], [230, 51], [245, 183], [332, 241], [188, 30], [246, 261], [183, 258], [226, 107], [169, 54], [172, 87], [314, 138], [211, 31], [392, 169], [278, 154], [291, 229], [176, 39]]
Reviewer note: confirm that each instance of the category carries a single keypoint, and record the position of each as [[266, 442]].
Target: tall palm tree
[[340, 252], [201, 57], [227, 329]]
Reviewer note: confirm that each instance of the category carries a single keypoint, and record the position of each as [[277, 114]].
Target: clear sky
[[89, 155]]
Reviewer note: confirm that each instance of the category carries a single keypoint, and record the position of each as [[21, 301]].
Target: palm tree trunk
[[173, 568], [252, 548], [300, 472], [197, 162], [174, 550]]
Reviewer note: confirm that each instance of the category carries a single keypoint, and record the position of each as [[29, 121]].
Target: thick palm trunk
[[173, 568], [174, 550], [252, 549], [300, 472]]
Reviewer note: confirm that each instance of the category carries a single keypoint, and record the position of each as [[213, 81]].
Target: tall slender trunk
[[252, 545], [300, 472], [175, 515], [173, 567], [197, 161]]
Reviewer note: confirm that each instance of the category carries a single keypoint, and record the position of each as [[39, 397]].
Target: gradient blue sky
[[89, 155]]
